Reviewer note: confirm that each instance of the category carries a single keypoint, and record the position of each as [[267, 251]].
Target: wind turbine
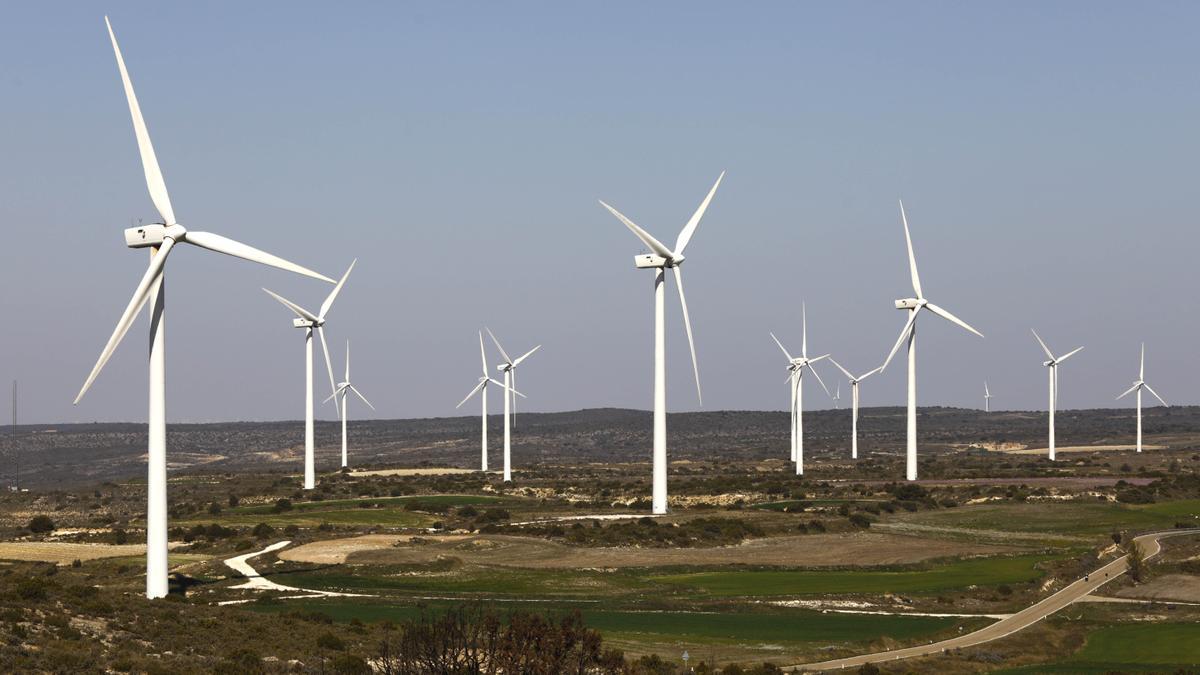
[[1052, 364], [914, 307], [987, 398], [659, 260], [796, 367], [342, 393], [509, 368], [854, 403], [1138, 385], [484, 379], [160, 238], [837, 397], [312, 322]]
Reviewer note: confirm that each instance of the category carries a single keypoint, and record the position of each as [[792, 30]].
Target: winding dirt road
[[1019, 621]]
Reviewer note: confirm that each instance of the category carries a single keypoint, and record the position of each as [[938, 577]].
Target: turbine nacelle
[[651, 261], [305, 323], [145, 236], [910, 303]]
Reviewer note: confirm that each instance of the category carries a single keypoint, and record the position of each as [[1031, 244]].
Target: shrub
[[281, 505], [41, 524], [860, 520], [331, 642], [263, 530]]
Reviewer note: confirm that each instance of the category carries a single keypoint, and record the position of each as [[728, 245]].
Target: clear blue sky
[[1046, 151]]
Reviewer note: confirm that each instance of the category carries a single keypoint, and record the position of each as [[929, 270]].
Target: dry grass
[[818, 550], [63, 553]]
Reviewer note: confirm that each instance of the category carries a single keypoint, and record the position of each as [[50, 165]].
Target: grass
[[794, 627], [1066, 518], [503, 583], [1131, 647], [362, 502], [945, 576], [391, 517]]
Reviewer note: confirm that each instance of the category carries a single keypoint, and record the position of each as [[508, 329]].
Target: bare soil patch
[[63, 553], [1178, 587], [820, 550]]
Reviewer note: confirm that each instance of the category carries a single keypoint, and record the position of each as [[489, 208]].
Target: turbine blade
[[912, 259], [951, 318], [502, 352], [525, 356], [347, 360], [297, 309], [869, 373], [500, 384], [154, 178], [482, 356], [1069, 354], [653, 244], [336, 289], [1142, 364], [364, 398], [140, 295], [481, 385], [328, 363], [687, 323], [685, 235], [818, 376], [215, 242], [912, 317], [1043, 344], [1128, 392], [803, 330], [1160, 399], [781, 347], [839, 367], [339, 390]]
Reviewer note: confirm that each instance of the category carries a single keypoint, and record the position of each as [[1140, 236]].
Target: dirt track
[[818, 550]]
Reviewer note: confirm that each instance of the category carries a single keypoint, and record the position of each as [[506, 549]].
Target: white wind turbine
[[987, 398], [659, 260], [481, 388], [837, 396], [854, 403], [509, 368], [312, 322], [796, 367], [1138, 385], [341, 393], [1052, 364], [160, 238], [914, 307]]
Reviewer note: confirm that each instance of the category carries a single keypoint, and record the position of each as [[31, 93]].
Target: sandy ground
[[1080, 448], [818, 550], [413, 472], [63, 553], [1179, 587]]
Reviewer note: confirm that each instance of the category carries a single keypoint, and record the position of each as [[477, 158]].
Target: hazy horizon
[[1044, 154]]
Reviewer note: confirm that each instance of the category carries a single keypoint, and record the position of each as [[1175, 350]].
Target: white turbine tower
[[987, 398], [854, 403], [341, 393], [160, 238], [659, 260], [509, 368], [481, 388], [796, 367], [1052, 364], [914, 307], [312, 322], [1138, 385]]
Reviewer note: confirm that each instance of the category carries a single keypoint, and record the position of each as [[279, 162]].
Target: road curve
[[1019, 621]]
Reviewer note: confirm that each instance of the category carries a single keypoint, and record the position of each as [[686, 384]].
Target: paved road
[[1019, 621]]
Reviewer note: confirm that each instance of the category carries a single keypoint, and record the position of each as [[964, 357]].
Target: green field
[[506, 582], [1095, 518], [1130, 647], [959, 574], [726, 627]]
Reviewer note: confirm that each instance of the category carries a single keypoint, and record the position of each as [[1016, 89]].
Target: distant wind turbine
[[987, 398], [341, 393], [161, 238], [854, 381], [837, 396], [796, 367], [312, 322], [1052, 364], [481, 388], [509, 368], [914, 307], [659, 260], [1138, 385]]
